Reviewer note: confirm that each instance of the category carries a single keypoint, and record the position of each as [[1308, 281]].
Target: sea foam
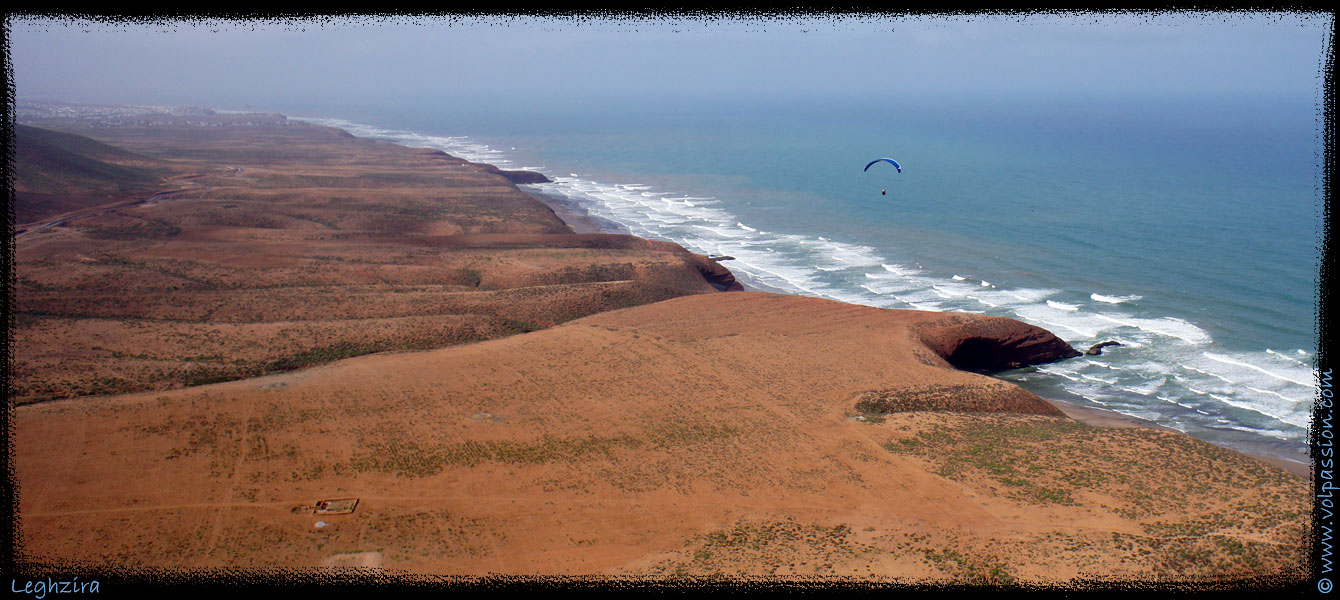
[[1176, 364], [1114, 299]]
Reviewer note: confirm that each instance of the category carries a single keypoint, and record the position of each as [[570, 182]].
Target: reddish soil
[[706, 434], [504, 396], [289, 246]]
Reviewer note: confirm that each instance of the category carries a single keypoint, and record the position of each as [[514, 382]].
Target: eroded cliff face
[[711, 271], [307, 246], [720, 277], [986, 344]]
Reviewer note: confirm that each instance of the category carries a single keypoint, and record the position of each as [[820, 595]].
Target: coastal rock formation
[[984, 344], [525, 176], [515, 176], [504, 396], [1097, 349], [720, 277], [303, 247]]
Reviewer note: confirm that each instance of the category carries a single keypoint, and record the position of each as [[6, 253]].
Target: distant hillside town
[[51, 112]]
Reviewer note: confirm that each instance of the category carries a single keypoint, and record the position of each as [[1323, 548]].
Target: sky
[[367, 60]]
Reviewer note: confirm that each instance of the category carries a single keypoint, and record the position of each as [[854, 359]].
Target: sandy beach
[[506, 389], [580, 222], [574, 217]]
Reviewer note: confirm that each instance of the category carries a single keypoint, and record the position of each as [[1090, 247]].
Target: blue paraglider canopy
[[887, 160]]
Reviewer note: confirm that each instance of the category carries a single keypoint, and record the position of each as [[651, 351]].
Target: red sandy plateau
[[578, 404]]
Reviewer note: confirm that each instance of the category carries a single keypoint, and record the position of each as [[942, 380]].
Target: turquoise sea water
[[1186, 229]]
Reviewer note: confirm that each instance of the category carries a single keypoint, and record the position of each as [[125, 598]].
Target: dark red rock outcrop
[[525, 177], [516, 176], [713, 272], [1097, 349], [985, 344], [720, 277], [519, 176]]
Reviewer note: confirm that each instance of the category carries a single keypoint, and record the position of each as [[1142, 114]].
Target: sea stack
[[1097, 349]]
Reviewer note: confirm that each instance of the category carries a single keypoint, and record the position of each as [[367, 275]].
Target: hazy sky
[[267, 64]]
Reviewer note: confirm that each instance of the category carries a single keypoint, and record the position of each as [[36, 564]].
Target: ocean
[[1186, 229]]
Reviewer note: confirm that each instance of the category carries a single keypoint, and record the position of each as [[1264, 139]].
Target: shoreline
[[577, 219], [554, 403], [1108, 418]]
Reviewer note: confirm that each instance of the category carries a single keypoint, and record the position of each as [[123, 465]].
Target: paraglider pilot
[[885, 192]]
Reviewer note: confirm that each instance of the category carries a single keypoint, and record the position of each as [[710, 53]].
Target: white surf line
[[476, 151], [1288, 358], [1244, 406], [1236, 383], [1136, 391], [1281, 396], [1174, 401], [1098, 379], [1203, 338], [1114, 299], [1086, 334], [1226, 360], [1061, 374], [1209, 374]]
